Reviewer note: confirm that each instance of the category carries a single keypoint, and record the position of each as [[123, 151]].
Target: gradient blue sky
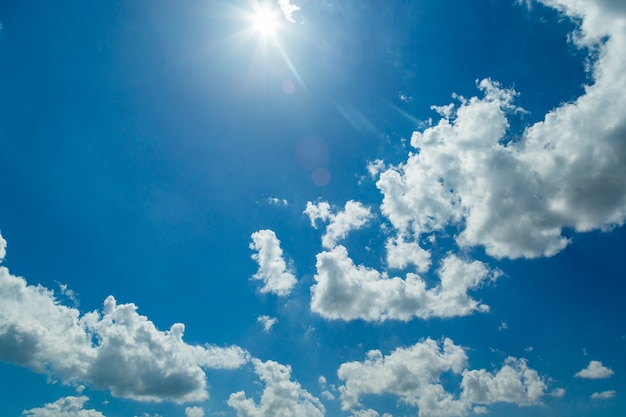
[[373, 209]]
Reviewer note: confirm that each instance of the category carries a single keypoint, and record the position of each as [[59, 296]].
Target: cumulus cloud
[[353, 217], [513, 383], [604, 395], [273, 271], [595, 370], [515, 198], [194, 412], [346, 291], [281, 396], [267, 322], [3, 248], [115, 349], [63, 407], [414, 375]]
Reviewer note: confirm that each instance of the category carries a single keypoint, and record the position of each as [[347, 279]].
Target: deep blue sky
[[143, 143]]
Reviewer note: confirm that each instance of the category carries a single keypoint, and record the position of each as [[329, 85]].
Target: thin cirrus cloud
[[273, 271], [414, 374], [604, 395], [115, 349], [281, 396], [595, 370], [516, 198]]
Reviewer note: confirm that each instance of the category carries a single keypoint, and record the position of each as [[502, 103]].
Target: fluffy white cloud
[[273, 201], [346, 291], [267, 322], [273, 271], [411, 373], [513, 383], [401, 252], [595, 370], [281, 396], [194, 412], [116, 349], [604, 395], [515, 198], [63, 407], [414, 374], [353, 217]]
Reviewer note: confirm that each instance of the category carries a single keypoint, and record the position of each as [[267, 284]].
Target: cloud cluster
[[353, 217], [63, 407], [414, 374], [346, 291], [515, 198], [595, 370], [115, 349], [281, 396], [604, 395], [273, 271]]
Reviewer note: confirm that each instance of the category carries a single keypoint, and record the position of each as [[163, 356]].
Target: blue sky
[[312, 208]]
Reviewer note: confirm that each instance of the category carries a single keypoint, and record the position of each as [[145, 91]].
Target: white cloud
[[479, 409], [604, 395], [353, 217], [288, 9], [273, 201], [194, 412], [267, 322], [116, 349], [400, 253], [273, 271], [3, 248], [595, 370], [513, 383], [414, 374], [63, 407], [515, 198], [557, 393], [281, 396], [368, 413], [346, 291]]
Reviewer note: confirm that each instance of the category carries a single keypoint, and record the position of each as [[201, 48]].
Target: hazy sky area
[[308, 208]]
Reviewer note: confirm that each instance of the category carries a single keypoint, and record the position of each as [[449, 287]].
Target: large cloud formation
[[515, 198], [115, 349], [414, 374]]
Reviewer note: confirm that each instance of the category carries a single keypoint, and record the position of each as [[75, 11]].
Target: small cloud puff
[[267, 322], [595, 370], [604, 395]]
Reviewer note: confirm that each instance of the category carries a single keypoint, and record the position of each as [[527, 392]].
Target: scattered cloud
[[267, 322], [557, 393], [63, 407], [3, 248], [288, 9], [273, 201], [353, 217], [604, 395], [281, 396], [595, 370], [273, 271], [479, 409], [347, 292], [414, 375], [503, 326], [194, 412], [115, 349]]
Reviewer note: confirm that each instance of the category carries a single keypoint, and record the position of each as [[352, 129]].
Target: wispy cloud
[[288, 9]]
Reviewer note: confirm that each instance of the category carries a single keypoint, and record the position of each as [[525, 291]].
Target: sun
[[265, 21]]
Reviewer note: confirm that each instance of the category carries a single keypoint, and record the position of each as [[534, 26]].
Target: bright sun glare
[[265, 21]]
